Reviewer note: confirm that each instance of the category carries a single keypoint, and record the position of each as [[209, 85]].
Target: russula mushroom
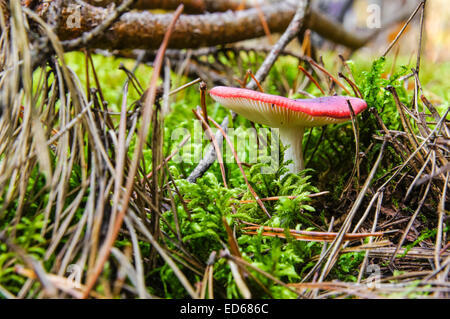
[[290, 116]]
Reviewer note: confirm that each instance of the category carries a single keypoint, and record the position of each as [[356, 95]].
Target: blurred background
[[360, 15]]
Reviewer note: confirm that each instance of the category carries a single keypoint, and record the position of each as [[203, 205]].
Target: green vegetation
[[195, 217]]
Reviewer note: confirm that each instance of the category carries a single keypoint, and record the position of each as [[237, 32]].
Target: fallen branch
[[190, 6], [146, 30]]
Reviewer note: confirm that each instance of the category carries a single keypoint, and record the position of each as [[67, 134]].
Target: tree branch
[[190, 6], [145, 30]]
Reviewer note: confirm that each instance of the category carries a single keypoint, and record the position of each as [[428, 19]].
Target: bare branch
[[146, 30], [190, 6]]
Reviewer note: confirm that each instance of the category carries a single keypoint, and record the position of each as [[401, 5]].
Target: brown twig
[[203, 88], [308, 235], [215, 144], [321, 68], [312, 79], [238, 162], [355, 169], [402, 30]]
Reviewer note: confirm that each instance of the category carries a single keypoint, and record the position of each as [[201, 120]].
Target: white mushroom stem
[[293, 136]]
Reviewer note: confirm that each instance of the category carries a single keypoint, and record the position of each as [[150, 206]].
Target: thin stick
[[356, 164], [321, 68], [311, 78], [238, 162], [352, 84], [439, 232], [264, 23], [374, 226], [402, 30], [203, 101], [184, 86], [215, 144], [306, 45], [309, 235], [419, 50], [249, 72]]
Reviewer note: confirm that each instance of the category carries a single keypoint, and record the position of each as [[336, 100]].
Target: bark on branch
[[145, 30], [190, 6]]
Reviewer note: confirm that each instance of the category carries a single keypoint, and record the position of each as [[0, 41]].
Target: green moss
[[203, 205]]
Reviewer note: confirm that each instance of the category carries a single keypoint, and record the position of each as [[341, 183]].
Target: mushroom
[[290, 116]]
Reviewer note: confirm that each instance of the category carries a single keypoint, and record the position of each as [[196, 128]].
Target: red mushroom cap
[[278, 111]]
